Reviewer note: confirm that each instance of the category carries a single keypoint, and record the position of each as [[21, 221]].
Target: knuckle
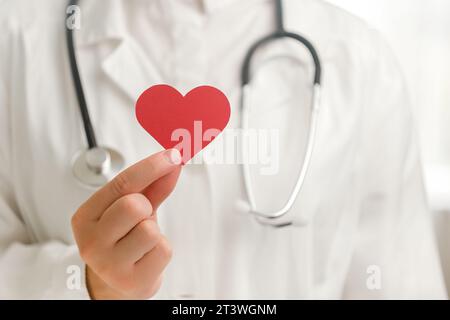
[[121, 184], [89, 248], [128, 203], [78, 220], [165, 249], [87, 251], [137, 216], [149, 229], [136, 205], [75, 221]]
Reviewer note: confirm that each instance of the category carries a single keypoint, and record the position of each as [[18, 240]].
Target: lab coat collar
[[127, 58], [98, 24]]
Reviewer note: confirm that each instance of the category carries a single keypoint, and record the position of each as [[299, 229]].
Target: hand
[[117, 233]]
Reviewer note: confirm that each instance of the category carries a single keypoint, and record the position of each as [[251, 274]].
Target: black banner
[[230, 309]]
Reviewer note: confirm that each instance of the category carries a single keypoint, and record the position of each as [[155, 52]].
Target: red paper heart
[[187, 123]]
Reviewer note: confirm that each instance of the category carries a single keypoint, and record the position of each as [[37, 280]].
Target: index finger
[[132, 180]]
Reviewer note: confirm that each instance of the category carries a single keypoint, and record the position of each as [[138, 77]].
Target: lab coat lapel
[[129, 70], [126, 65]]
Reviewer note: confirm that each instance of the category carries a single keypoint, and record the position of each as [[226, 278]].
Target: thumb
[[159, 190]]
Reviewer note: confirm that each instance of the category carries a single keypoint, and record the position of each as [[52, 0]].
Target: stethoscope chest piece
[[95, 167]]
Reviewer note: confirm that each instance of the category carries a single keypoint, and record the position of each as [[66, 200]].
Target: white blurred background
[[419, 33]]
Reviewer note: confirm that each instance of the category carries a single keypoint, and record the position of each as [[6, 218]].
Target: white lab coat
[[361, 214]]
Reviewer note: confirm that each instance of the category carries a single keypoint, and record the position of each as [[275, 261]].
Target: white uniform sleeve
[[395, 255], [48, 270]]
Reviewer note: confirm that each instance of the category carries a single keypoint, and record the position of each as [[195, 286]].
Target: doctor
[[360, 227]]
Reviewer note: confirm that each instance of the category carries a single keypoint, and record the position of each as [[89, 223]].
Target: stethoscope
[[96, 165]]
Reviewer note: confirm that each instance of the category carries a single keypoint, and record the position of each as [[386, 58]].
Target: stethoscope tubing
[[273, 218], [76, 77]]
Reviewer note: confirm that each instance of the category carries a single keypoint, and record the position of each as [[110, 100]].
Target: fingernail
[[173, 156]]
